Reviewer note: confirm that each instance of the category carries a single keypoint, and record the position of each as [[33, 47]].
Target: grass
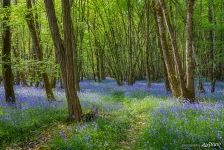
[[105, 133], [183, 127], [136, 122], [20, 126]]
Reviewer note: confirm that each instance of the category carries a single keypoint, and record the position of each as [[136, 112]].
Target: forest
[[111, 74]]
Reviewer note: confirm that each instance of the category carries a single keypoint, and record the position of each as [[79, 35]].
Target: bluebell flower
[[87, 138], [62, 135]]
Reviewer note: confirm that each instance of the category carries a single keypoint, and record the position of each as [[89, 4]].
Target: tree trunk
[[189, 51], [166, 76], [172, 59], [173, 43], [75, 57], [97, 51], [38, 49], [147, 43], [167, 53], [102, 65], [6, 56], [16, 55], [130, 44], [200, 86], [211, 71], [65, 55]]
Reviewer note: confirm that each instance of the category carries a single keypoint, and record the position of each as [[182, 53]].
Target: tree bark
[[65, 54], [211, 71], [147, 43], [179, 69], [166, 52], [172, 58], [6, 56], [38, 52], [130, 44], [189, 51]]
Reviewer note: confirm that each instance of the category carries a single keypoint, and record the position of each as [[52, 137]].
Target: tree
[[172, 58], [189, 50], [66, 55], [147, 42], [211, 54], [38, 52], [166, 52], [6, 55], [130, 76]]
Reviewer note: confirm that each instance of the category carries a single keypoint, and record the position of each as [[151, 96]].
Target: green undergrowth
[[134, 122], [18, 126], [104, 133], [111, 130], [176, 127]]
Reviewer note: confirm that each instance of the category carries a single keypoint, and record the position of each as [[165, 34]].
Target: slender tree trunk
[[130, 44], [211, 70], [166, 75], [6, 56], [38, 49], [186, 91], [71, 65], [75, 57], [96, 50], [147, 43], [200, 86], [65, 55], [167, 53], [16, 55], [179, 69], [189, 51], [102, 65]]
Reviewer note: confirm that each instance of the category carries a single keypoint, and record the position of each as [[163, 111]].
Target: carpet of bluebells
[[130, 117]]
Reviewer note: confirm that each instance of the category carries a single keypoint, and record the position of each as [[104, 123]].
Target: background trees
[[173, 41]]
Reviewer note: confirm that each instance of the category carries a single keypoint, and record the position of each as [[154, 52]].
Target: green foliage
[[176, 128], [138, 95], [1, 111], [103, 26], [28, 124], [142, 123], [118, 96], [104, 133]]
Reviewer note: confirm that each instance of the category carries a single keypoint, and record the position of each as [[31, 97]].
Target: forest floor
[[130, 117]]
